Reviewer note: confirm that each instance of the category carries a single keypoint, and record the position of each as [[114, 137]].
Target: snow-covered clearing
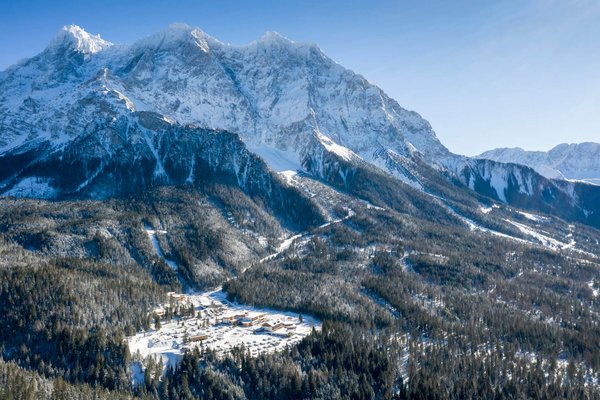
[[154, 239], [533, 217], [372, 206], [32, 187], [214, 327], [289, 176], [487, 210], [350, 214]]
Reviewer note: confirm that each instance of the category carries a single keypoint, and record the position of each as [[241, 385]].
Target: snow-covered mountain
[[579, 161], [288, 102], [281, 97]]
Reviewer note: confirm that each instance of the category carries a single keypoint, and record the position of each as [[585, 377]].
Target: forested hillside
[[412, 307]]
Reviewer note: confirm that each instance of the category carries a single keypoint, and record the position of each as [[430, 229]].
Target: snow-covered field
[[170, 342]]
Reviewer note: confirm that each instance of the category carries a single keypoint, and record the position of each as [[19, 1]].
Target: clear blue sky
[[484, 73]]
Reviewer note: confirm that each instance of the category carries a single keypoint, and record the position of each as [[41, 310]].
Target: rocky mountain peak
[[75, 38], [177, 36], [272, 38]]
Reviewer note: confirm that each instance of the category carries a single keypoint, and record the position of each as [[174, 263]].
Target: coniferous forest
[[408, 310]]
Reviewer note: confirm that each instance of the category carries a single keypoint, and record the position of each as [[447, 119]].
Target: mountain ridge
[[283, 98], [575, 161]]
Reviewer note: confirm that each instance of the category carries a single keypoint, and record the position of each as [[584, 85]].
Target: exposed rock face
[[86, 117]]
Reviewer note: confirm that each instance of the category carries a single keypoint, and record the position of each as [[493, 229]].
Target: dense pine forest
[[412, 308]]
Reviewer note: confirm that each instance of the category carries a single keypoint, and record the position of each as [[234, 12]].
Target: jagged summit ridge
[[272, 91], [176, 35], [76, 38], [272, 38]]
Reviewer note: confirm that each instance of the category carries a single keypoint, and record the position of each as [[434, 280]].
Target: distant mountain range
[[566, 161]]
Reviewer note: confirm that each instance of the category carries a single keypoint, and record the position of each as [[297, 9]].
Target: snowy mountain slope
[[134, 153], [287, 101], [272, 92], [523, 187], [566, 161]]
